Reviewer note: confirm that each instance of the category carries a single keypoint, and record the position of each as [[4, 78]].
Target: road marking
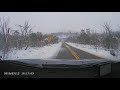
[[72, 52]]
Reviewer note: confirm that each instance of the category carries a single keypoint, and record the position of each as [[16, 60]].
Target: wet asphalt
[[64, 53]]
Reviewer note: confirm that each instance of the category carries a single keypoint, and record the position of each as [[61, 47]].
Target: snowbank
[[45, 52], [100, 52]]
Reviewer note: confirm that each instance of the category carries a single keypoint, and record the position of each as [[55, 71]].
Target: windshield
[[73, 38]]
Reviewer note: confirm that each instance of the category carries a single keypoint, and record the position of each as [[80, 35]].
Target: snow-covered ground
[[100, 52], [45, 52]]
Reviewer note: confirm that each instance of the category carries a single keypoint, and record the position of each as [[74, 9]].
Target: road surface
[[68, 52]]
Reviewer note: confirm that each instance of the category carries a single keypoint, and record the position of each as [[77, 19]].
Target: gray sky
[[48, 22]]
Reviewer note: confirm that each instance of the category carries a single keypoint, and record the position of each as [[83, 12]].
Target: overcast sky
[[48, 22]]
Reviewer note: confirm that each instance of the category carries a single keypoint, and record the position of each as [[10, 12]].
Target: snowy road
[[69, 52], [64, 51]]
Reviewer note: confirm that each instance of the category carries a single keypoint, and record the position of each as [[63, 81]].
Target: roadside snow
[[100, 52], [45, 52]]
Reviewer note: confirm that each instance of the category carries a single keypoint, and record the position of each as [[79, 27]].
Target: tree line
[[108, 39], [24, 37]]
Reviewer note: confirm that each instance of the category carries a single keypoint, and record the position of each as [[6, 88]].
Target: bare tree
[[107, 27], [25, 31], [5, 29], [110, 41], [108, 38]]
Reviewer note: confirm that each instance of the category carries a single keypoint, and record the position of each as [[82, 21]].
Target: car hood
[[63, 63]]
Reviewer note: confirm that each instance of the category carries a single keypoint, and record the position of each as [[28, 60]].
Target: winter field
[[48, 51]]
